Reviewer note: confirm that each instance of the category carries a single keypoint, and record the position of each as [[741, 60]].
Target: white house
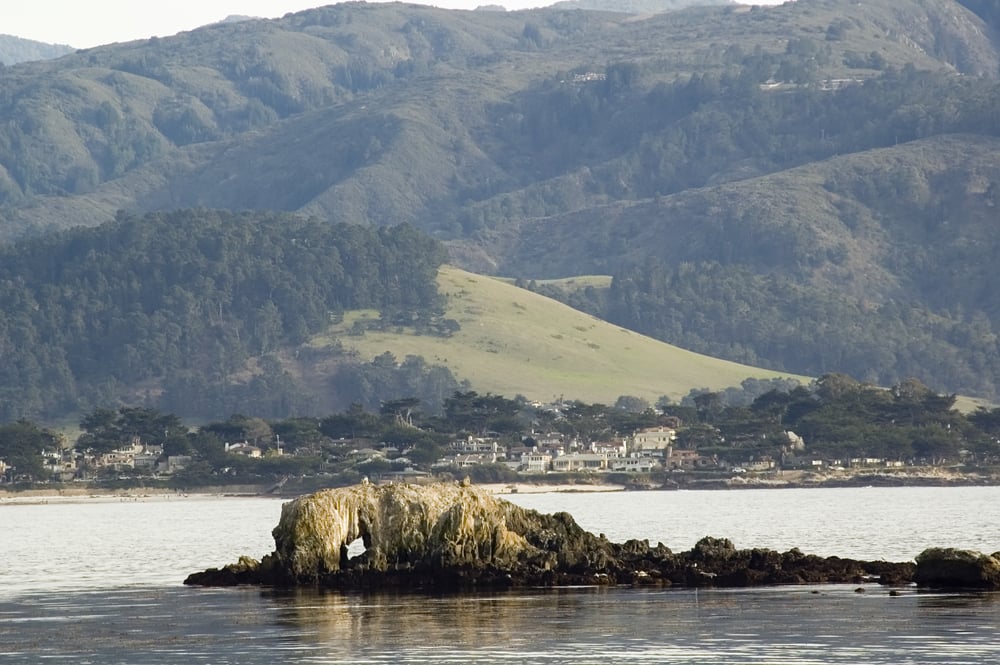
[[244, 448], [635, 464], [536, 462], [476, 445]]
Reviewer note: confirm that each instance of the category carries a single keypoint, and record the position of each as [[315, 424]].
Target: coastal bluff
[[457, 536]]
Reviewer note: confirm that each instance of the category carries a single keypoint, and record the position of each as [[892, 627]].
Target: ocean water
[[99, 581]]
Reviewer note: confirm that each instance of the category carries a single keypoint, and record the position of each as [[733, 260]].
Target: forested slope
[[188, 310]]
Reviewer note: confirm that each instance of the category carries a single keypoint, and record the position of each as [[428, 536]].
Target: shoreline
[[549, 488], [36, 496], [98, 495], [81, 495]]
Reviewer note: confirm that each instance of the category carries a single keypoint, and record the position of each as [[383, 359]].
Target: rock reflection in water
[[376, 624]]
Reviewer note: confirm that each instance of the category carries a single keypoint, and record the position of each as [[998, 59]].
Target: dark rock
[[955, 568], [244, 571]]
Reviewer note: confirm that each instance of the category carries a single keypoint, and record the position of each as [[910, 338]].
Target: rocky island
[[456, 536]]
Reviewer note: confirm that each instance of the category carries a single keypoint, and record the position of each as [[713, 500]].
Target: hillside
[[515, 342], [809, 187], [15, 49], [845, 253], [190, 310], [220, 116]]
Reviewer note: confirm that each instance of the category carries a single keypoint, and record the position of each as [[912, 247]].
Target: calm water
[[99, 582]]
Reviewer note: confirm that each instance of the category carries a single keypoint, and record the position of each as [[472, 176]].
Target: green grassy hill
[[515, 342]]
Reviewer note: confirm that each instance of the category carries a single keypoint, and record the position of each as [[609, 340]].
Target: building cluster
[[67, 464], [646, 451]]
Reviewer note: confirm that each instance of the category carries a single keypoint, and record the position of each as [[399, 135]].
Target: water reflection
[[783, 625], [981, 600], [484, 621], [831, 624]]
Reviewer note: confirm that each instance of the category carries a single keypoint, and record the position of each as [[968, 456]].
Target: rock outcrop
[[452, 536], [955, 568]]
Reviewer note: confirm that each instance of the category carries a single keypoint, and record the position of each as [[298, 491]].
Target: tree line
[[775, 321], [168, 304]]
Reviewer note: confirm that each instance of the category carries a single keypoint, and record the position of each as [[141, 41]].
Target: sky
[[86, 23]]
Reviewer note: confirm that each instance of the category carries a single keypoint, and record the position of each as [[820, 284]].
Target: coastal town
[[658, 456]]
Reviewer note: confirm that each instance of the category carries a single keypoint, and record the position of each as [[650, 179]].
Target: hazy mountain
[[15, 49], [636, 6], [177, 121]]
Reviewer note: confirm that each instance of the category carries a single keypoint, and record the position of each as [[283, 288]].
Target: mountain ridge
[[816, 179], [250, 87]]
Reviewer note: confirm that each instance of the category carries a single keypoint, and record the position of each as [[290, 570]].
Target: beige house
[[580, 462], [121, 458], [675, 458], [244, 448], [653, 440], [133, 455]]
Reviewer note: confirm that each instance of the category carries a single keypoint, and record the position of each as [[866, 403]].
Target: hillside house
[[536, 462], [133, 455], [635, 464], [61, 464], [580, 462], [866, 462], [120, 458], [797, 462], [652, 441], [762, 464], [676, 458], [244, 448], [516, 453], [613, 448], [472, 459], [477, 445], [550, 439]]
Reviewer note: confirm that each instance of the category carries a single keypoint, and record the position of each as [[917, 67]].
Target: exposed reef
[[457, 536], [946, 567]]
